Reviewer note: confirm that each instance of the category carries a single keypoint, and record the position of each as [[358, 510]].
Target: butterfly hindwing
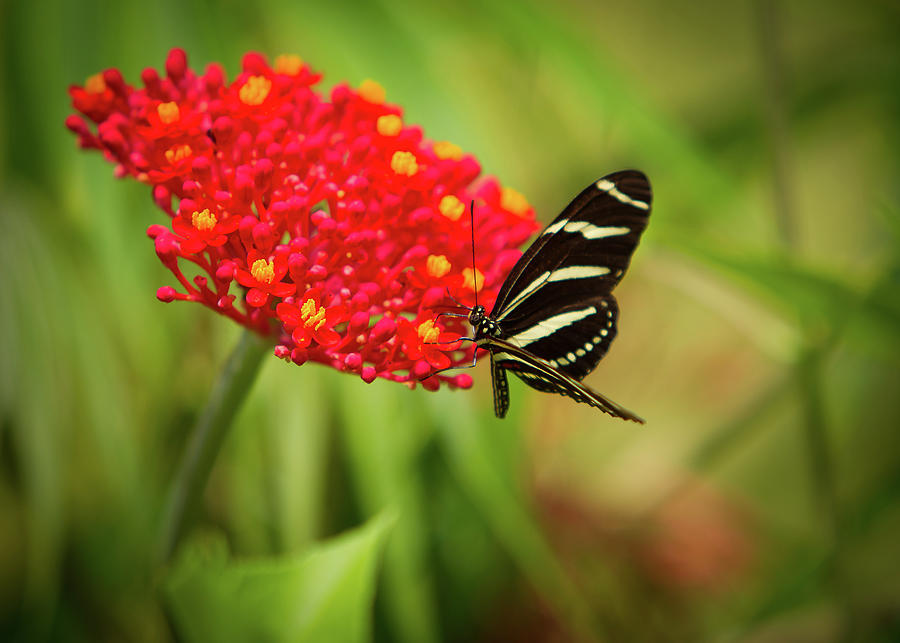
[[539, 374], [573, 339], [500, 387]]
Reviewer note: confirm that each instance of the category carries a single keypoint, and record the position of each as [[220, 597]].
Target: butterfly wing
[[557, 301], [500, 387], [540, 374]]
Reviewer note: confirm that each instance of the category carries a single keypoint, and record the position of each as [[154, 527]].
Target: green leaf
[[324, 594], [383, 443], [479, 452]]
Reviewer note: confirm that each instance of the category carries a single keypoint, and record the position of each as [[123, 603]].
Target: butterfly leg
[[439, 315], [472, 365]]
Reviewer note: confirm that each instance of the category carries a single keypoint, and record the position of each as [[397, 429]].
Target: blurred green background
[[760, 337]]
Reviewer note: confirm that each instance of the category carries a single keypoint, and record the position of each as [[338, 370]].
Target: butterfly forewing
[[598, 231], [555, 315]]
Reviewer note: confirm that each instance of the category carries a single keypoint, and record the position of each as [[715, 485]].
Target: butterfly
[[555, 315]]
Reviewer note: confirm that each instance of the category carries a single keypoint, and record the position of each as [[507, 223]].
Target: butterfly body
[[555, 315]]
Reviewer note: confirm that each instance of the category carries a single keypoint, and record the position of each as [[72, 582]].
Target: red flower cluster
[[330, 225]]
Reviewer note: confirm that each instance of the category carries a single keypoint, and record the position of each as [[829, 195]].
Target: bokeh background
[[759, 336]]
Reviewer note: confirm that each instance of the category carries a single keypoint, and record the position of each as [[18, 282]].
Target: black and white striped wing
[[500, 387], [557, 301], [540, 374]]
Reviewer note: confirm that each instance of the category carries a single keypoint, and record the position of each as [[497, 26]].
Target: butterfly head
[[483, 325]]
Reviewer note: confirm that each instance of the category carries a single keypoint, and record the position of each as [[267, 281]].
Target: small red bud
[[166, 294], [384, 329], [176, 64], [353, 361], [359, 322]]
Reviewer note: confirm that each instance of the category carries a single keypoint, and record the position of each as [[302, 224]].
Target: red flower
[[310, 321], [96, 99], [284, 191], [264, 277], [426, 341], [167, 119], [199, 228]]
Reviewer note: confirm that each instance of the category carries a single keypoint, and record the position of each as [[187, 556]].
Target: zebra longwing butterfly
[[555, 315]]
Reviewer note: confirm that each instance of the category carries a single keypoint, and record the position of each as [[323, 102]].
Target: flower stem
[[772, 59], [207, 438], [822, 470]]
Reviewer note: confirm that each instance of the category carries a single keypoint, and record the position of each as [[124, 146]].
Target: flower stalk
[[207, 437]]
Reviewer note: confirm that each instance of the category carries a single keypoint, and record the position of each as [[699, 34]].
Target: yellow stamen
[[389, 125], [204, 220], [95, 84], [437, 266], [451, 207], [471, 283], [371, 92], [447, 150], [255, 90], [168, 112], [404, 163], [263, 271], [178, 153], [513, 201], [313, 316], [288, 64], [428, 333]]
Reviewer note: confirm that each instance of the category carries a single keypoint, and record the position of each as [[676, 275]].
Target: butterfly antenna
[[474, 269], [455, 300]]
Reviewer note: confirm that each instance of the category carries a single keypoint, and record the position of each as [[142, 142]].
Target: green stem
[[207, 438], [809, 368], [821, 461], [823, 476], [778, 130]]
